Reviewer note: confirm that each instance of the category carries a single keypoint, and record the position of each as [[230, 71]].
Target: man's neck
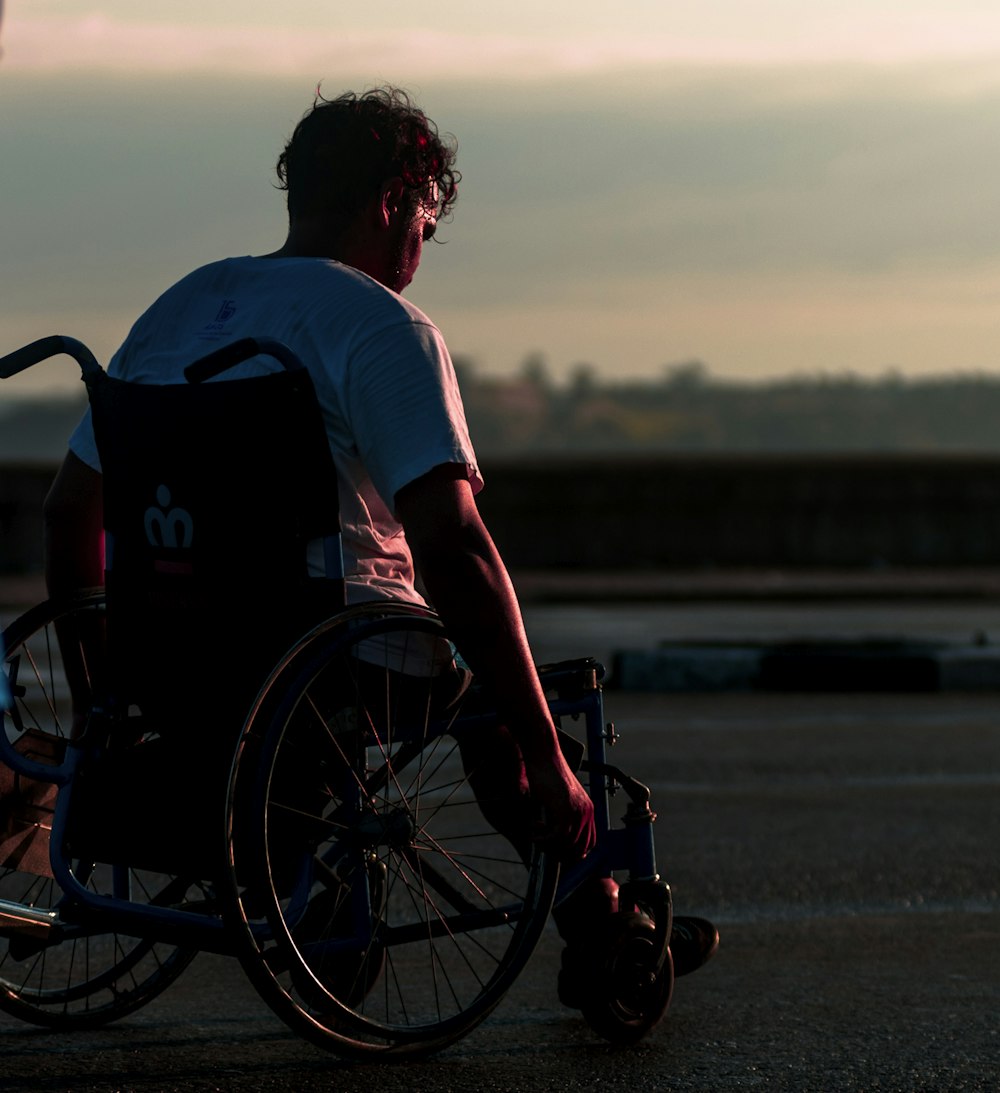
[[310, 239]]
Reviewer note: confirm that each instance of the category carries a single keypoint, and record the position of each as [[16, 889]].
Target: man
[[367, 179]]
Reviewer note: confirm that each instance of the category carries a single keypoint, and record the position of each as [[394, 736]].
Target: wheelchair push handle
[[44, 348], [219, 360]]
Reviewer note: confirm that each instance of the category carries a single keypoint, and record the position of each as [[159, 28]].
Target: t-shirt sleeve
[[82, 443], [405, 408]]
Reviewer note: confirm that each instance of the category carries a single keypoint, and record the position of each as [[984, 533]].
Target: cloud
[[761, 218], [97, 41]]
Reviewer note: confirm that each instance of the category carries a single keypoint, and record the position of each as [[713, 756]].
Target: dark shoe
[[584, 911], [693, 942], [572, 982], [579, 920]]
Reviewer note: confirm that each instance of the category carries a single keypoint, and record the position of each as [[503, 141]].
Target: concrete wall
[[750, 511], [691, 511]]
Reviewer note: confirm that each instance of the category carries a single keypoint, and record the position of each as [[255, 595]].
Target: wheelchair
[[276, 776]]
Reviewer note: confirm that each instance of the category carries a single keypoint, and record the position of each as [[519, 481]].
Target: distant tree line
[[684, 410], [689, 410]]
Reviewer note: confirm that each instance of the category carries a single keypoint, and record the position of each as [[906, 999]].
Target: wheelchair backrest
[[6, 701], [214, 493]]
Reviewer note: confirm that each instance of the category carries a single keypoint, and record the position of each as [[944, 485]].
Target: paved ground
[[846, 845], [601, 629]]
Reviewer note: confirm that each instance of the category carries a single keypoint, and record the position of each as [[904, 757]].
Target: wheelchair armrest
[[228, 356], [571, 678]]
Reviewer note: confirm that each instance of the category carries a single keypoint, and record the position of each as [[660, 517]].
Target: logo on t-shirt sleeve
[[217, 328]]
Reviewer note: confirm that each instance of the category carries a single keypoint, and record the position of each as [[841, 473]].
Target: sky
[[767, 186]]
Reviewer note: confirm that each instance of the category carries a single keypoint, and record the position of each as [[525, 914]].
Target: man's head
[[352, 153]]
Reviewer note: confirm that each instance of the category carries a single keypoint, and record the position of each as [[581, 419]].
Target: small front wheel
[[629, 996]]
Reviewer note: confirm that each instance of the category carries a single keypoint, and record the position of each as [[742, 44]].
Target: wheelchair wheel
[[627, 997], [81, 978], [41, 680], [383, 912]]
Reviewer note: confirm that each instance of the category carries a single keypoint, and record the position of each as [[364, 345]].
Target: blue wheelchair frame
[[574, 693]]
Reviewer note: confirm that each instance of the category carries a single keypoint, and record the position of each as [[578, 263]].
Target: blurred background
[[722, 287], [727, 272]]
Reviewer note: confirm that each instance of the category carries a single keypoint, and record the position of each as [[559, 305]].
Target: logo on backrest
[[169, 528]]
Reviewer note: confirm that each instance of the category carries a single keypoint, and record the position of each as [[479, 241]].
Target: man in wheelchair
[[367, 179]]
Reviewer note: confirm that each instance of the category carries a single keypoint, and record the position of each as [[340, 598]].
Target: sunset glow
[[769, 187], [157, 41]]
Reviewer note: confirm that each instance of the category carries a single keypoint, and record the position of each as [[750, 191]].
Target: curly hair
[[345, 148]]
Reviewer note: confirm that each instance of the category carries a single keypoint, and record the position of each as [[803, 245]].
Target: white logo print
[[170, 528]]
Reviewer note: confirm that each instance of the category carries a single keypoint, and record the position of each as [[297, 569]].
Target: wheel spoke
[[371, 709]]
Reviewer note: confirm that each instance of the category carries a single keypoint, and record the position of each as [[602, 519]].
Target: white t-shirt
[[385, 383]]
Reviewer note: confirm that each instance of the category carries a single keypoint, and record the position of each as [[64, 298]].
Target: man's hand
[[567, 828], [469, 586]]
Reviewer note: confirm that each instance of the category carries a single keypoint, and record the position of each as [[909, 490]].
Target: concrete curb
[[898, 667]]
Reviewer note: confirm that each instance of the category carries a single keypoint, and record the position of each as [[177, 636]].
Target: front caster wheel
[[629, 997]]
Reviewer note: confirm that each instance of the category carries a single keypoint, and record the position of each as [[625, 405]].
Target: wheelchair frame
[[250, 914]]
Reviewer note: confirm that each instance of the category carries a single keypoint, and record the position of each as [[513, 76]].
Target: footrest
[[16, 920]]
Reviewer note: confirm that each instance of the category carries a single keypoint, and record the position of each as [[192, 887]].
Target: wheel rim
[[427, 912], [629, 995]]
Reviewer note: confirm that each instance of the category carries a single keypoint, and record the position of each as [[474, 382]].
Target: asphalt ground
[[811, 642], [846, 845], [695, 617], [603, 629]]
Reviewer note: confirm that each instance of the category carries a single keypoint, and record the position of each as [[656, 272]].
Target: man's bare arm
[[74, 560], [471, 590], [73, 517]]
